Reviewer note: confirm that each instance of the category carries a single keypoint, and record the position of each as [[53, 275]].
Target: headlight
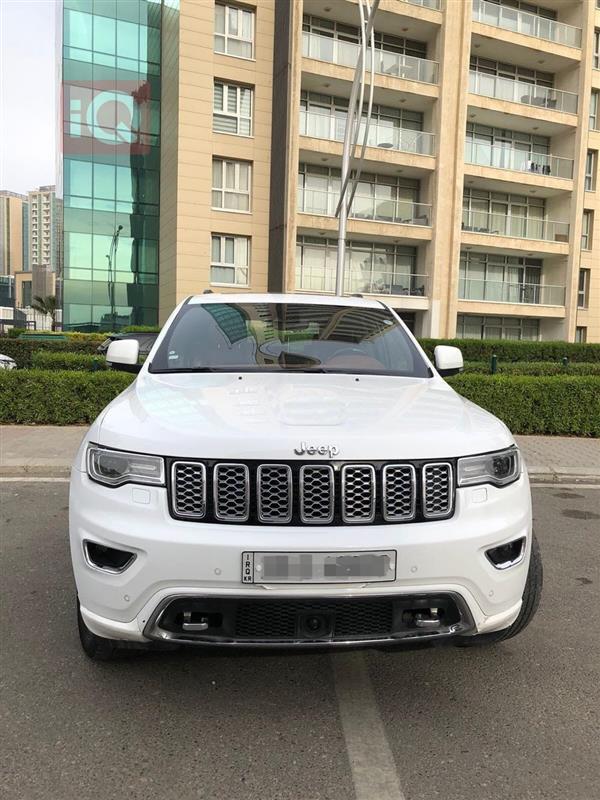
[[115, 467], [498, 468]]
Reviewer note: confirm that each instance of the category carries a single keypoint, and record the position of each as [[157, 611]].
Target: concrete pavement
[[515, 721], [48, 451]]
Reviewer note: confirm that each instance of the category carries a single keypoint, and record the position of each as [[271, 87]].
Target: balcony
[[390, 284], [366, 207], [519, 92], [500, 292], [506, 157], [396, 65], [511, 19], [434, 4], [389, 137], [497, 224]]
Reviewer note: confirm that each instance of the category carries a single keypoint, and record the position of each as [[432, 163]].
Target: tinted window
[[272, 337]]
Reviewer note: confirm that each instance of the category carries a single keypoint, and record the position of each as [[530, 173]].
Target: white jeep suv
[[293, 471]]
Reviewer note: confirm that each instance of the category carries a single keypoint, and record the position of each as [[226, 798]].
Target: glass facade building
[[111, 159]]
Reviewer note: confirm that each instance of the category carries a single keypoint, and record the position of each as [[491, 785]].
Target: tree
[[46, 305]]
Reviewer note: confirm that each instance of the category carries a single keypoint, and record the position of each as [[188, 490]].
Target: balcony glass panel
[[513, 19], [390, 137], [365, 206], [503, 292], [435, 4], [520, 92], [506, 157], [399, 65], [500, 224]]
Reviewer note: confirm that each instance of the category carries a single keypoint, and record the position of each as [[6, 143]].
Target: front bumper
[[200, 560]]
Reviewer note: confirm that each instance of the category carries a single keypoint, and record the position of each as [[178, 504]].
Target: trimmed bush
[[76, 336], [508, 350], [82, 362], [22, 350], [43, 397], [562, 406], [534, 368], [141, 329]]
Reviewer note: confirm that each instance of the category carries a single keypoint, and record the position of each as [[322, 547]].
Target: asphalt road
[[511, 722]]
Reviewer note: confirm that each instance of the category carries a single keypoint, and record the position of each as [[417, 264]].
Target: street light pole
[[367, 9], [111, 256]]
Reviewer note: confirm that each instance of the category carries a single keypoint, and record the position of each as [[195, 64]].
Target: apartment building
[[45, 228], [13, 232], [477, 213]]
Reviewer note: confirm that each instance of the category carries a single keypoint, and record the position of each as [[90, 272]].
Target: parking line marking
[[371, 761]]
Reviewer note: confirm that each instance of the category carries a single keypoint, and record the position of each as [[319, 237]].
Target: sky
[[27, 94]]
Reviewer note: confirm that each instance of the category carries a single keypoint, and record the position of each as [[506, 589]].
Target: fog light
[[507, 555], [108, 559]]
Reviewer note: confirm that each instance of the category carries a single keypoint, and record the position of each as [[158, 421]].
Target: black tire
[[96, 647], [531, 600]]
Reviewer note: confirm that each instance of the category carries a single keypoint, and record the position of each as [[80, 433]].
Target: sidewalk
[[47, 451]]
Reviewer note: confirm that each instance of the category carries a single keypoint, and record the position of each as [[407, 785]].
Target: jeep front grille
[[311, 494]]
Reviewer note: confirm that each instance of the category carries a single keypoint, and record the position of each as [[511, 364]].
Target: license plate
[[355, 567]]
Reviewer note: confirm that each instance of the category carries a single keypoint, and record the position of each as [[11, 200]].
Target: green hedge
[[507, 350], [534, 368], [22, 350], [564, 406], [82, 362], [140, 329], [57, 398]]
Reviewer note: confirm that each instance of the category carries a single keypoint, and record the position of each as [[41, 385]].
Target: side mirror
[[123, 354], [448, 360]]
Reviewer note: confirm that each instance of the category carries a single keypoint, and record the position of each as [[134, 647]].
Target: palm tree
[[46, 305]]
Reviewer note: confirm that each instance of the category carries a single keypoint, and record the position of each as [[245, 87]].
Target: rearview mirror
[[448, 360], [123, 354]]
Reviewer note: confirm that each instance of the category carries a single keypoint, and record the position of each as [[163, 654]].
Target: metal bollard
[[494, 364]]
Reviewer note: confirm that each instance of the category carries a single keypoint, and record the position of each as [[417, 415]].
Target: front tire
[[531, 600], [96, 647]]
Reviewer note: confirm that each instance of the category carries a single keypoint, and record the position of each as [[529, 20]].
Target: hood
[[270, 416]]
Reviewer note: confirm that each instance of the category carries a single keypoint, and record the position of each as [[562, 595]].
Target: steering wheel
[[347, 351]]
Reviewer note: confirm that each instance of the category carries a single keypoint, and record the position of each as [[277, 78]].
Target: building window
[[586, 230], [590, 170], [475, 327], [581, 334], [230, 260], [596, 53], [234, 31], [583, 288], [595, 110], [231, 185], [232, 107], [511, 71], [370, 268], [499, 278]]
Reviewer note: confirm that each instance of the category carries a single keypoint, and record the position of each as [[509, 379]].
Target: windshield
[[290, 337]]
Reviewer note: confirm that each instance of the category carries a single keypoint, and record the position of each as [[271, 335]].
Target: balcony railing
[[329, 126], [319, 279], [498, 224], [377, 209], [435, 4], [506, 157], [336, 51], [520, 92], [501, 292], [511, 19]]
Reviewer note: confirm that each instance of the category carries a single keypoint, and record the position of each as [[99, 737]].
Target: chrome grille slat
[[399, 492], [311, 493], [317, 496], [437, 489], [189, 489], [231, 491], [358, 493], [274, 493]]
